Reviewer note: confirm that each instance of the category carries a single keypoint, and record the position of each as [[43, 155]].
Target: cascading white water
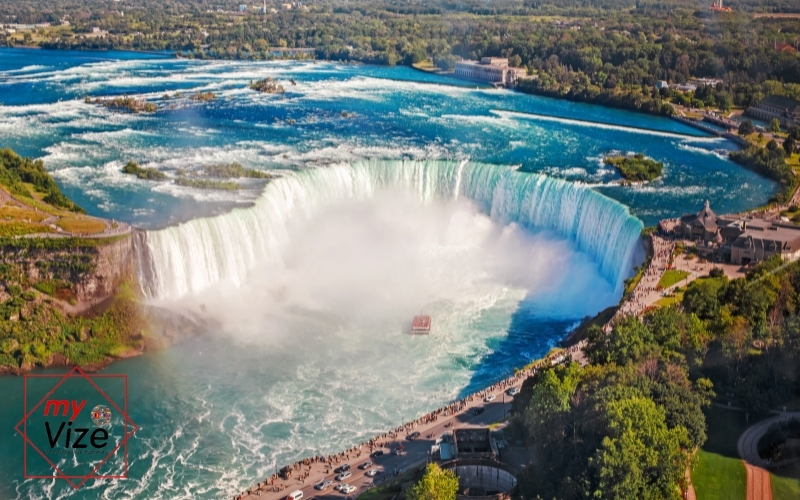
[[193, 256]]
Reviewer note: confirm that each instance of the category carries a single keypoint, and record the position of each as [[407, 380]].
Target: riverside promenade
[[460, 414], [311, 471], [646, 292]]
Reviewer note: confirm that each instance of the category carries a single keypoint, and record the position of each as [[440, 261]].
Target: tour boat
[[421, 325]]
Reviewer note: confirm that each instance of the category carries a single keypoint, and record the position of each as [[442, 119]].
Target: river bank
[[399, 449]]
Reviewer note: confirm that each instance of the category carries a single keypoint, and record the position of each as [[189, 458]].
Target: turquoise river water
[[396, 192]]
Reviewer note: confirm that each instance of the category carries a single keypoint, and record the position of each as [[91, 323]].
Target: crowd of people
[[638, 302], [385, 439]]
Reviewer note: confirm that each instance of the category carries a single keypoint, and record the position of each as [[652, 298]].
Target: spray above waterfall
[[191, 257]]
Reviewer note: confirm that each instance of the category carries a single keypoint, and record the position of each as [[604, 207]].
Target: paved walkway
[[109, 230], [690, 494], [416, 452], [646, 293], [758, 481], [458, 415], [759, 486]]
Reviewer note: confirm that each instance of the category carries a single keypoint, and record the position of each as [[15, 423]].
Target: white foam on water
[[704, 151], [582, 123], [235, 242]]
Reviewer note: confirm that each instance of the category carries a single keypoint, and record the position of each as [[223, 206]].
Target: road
[[416, 452], [758, 481]]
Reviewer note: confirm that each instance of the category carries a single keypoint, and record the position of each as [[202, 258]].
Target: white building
[[490, 70]]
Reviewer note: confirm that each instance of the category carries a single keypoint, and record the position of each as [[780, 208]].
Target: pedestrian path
[[758, 480], [478, 410]]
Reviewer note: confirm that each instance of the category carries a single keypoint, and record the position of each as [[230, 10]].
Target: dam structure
[[193, 256]]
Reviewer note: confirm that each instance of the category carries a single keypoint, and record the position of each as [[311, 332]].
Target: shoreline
[[174, 327], [438, 420], [168, 55], [479, 85]]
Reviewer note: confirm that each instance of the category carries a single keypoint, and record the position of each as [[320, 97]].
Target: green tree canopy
[[641, 457], [436, 484]]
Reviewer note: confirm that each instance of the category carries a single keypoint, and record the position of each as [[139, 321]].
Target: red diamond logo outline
[[127, 420]]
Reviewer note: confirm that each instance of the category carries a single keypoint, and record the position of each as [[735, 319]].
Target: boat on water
[[421, 325]]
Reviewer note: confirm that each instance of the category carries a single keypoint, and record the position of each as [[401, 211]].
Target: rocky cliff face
[[83, 271], [113, 263]]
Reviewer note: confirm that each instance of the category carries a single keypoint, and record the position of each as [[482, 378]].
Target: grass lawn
[[15, 213], [719, 473], [426, 66], [671, 277], [81, 225], [19, 228], [716, 477], [672, 300], [785, 482]]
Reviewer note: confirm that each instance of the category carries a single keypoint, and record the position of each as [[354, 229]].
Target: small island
[[124, 104], [203, 96], [203, 177], [149, 173], [208, 184], [213, 175], [636, 168], [268, 86], [233, 171]]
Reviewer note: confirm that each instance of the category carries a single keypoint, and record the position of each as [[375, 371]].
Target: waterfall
[[193, 256]]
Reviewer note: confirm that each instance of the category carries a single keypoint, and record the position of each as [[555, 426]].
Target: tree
[[641, 457], [789, 145], [550, 404], [772, 145], [445, 62], [627, 341], [702, 298], [746, 128], [775, 126], [436, 484]]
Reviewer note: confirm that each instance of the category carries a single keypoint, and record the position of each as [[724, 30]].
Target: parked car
[[365, 465], [513, 391], [372, 473], [478, 411], [489, 398], [342, 468], [344, 475], [376, 453], [324, 484], [348, 488], [413, 436]]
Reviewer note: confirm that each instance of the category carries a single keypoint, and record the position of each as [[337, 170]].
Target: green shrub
[[769, 162], [208, 184], [636, 168], [150, 173], [15, 170]]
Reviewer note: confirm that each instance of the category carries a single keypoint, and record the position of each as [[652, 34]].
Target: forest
[[607, 52], [602, 44], [627, 424]]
